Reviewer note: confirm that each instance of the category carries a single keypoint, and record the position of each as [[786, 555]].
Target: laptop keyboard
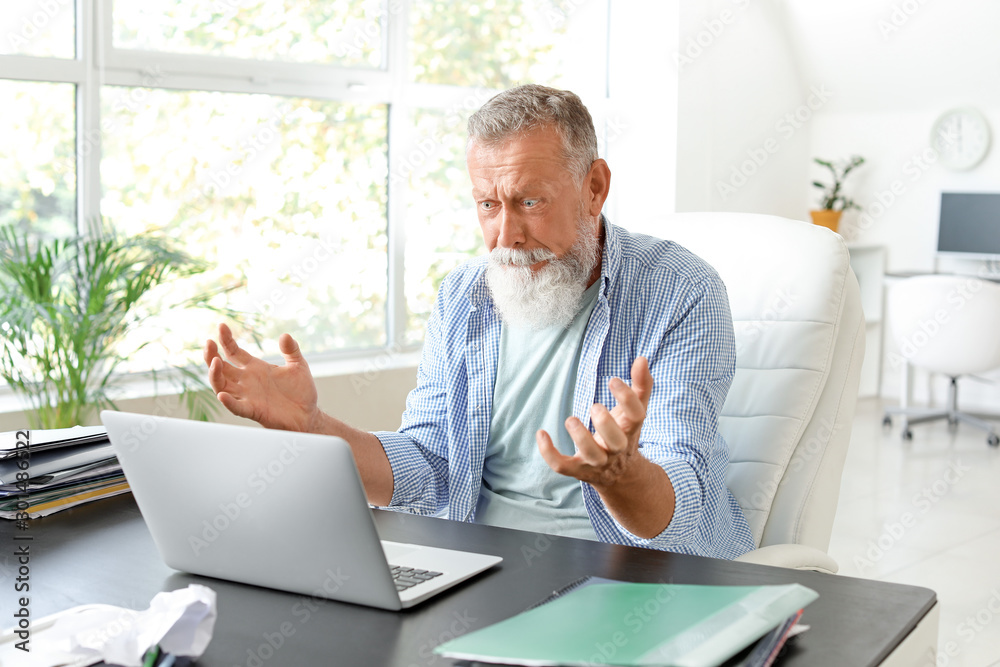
[[407, 577]]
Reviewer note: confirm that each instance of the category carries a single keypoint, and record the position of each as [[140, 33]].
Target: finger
[[290, 349], [613, 437], [216, 376], [630, 411], [211, 351], [642, 380], [224, 377], [236, 406], [552, 456], [587, 448], [234, 353]]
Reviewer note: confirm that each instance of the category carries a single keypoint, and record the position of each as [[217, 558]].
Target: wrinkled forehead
[[540, 155]]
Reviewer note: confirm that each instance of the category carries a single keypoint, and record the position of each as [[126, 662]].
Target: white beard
[[550, 296]]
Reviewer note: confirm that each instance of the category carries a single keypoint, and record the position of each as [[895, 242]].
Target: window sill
[[362, 365]]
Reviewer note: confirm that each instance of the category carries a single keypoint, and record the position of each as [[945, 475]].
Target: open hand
[[282, 397], [611, 455]]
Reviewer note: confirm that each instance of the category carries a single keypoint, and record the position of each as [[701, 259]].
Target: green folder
[[618, 623]]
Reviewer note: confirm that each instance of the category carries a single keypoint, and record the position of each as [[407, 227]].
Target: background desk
[[102, 552]]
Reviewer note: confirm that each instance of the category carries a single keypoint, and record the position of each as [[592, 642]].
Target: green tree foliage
[[38, 158], [491, 43], [286, 196]]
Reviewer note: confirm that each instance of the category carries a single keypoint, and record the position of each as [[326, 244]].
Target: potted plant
[[67, 305], [833, 202]]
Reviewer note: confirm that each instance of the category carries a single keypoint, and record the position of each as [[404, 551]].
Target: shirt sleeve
[[418, 451], [692, 358]]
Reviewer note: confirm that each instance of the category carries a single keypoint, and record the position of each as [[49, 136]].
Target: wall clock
[[961, 137]]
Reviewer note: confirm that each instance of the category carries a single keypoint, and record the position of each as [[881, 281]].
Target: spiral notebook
[[600, 621]]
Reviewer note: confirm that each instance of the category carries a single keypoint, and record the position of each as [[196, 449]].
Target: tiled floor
[[927, 512]]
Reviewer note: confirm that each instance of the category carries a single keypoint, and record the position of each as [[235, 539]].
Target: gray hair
[[525, 108]]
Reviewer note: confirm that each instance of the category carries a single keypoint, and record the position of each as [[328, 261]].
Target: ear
[[596, 186]]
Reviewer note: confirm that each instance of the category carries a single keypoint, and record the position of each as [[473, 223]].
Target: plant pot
[[826, 218]]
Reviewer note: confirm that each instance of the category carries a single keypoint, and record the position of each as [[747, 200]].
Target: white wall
[[901, 71], [641, 115], [744, 110], [900, 188], [880, 72], [896, 146]]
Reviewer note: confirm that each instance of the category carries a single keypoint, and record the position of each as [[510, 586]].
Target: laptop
[[272, 508]]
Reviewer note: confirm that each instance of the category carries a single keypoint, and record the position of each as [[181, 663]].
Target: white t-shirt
[[536, 374]]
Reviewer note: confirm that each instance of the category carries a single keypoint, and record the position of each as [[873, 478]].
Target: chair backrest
[[946, 324], [800, 336]]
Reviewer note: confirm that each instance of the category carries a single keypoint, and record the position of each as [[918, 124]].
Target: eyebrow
[[535, 191]]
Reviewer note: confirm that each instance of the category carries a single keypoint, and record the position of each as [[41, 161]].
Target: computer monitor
[[969, 225]]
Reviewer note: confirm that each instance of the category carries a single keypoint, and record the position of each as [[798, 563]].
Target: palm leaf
[[66, 306]]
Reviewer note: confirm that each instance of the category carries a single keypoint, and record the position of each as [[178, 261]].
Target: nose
[[511, 229]]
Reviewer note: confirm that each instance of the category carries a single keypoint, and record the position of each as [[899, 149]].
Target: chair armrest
[[794, 556]]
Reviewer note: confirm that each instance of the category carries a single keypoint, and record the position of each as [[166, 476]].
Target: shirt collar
[[611, 257]]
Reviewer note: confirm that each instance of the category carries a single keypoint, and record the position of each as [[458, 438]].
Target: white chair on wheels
[[946, 324], [800, 342]]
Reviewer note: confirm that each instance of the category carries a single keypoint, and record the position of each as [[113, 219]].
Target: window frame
[[98, 63]]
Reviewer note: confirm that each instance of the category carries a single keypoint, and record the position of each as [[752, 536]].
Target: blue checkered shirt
[[657, 300]]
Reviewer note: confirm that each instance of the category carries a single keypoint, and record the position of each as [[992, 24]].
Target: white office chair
[[950, 325], [800, 342]]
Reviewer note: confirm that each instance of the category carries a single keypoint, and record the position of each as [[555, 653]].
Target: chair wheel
[[907, 434], [887, 421], [993, 440]]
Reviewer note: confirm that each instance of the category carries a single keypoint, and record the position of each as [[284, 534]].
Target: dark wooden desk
[[102, 552]]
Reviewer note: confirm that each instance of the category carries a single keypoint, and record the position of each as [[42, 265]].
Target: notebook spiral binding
[[571, 586]]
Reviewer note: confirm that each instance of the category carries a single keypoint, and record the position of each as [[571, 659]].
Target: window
[[311, 151]]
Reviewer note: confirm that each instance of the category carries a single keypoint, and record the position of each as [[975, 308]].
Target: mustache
[[516, 257]]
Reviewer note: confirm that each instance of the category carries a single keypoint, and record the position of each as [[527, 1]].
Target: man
[[527, 346]]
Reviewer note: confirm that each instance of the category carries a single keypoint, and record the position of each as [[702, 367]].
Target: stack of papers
[[45, 471], [600, 621]]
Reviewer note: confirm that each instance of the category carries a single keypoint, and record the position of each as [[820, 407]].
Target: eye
[[487, 205], [530, 203]]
